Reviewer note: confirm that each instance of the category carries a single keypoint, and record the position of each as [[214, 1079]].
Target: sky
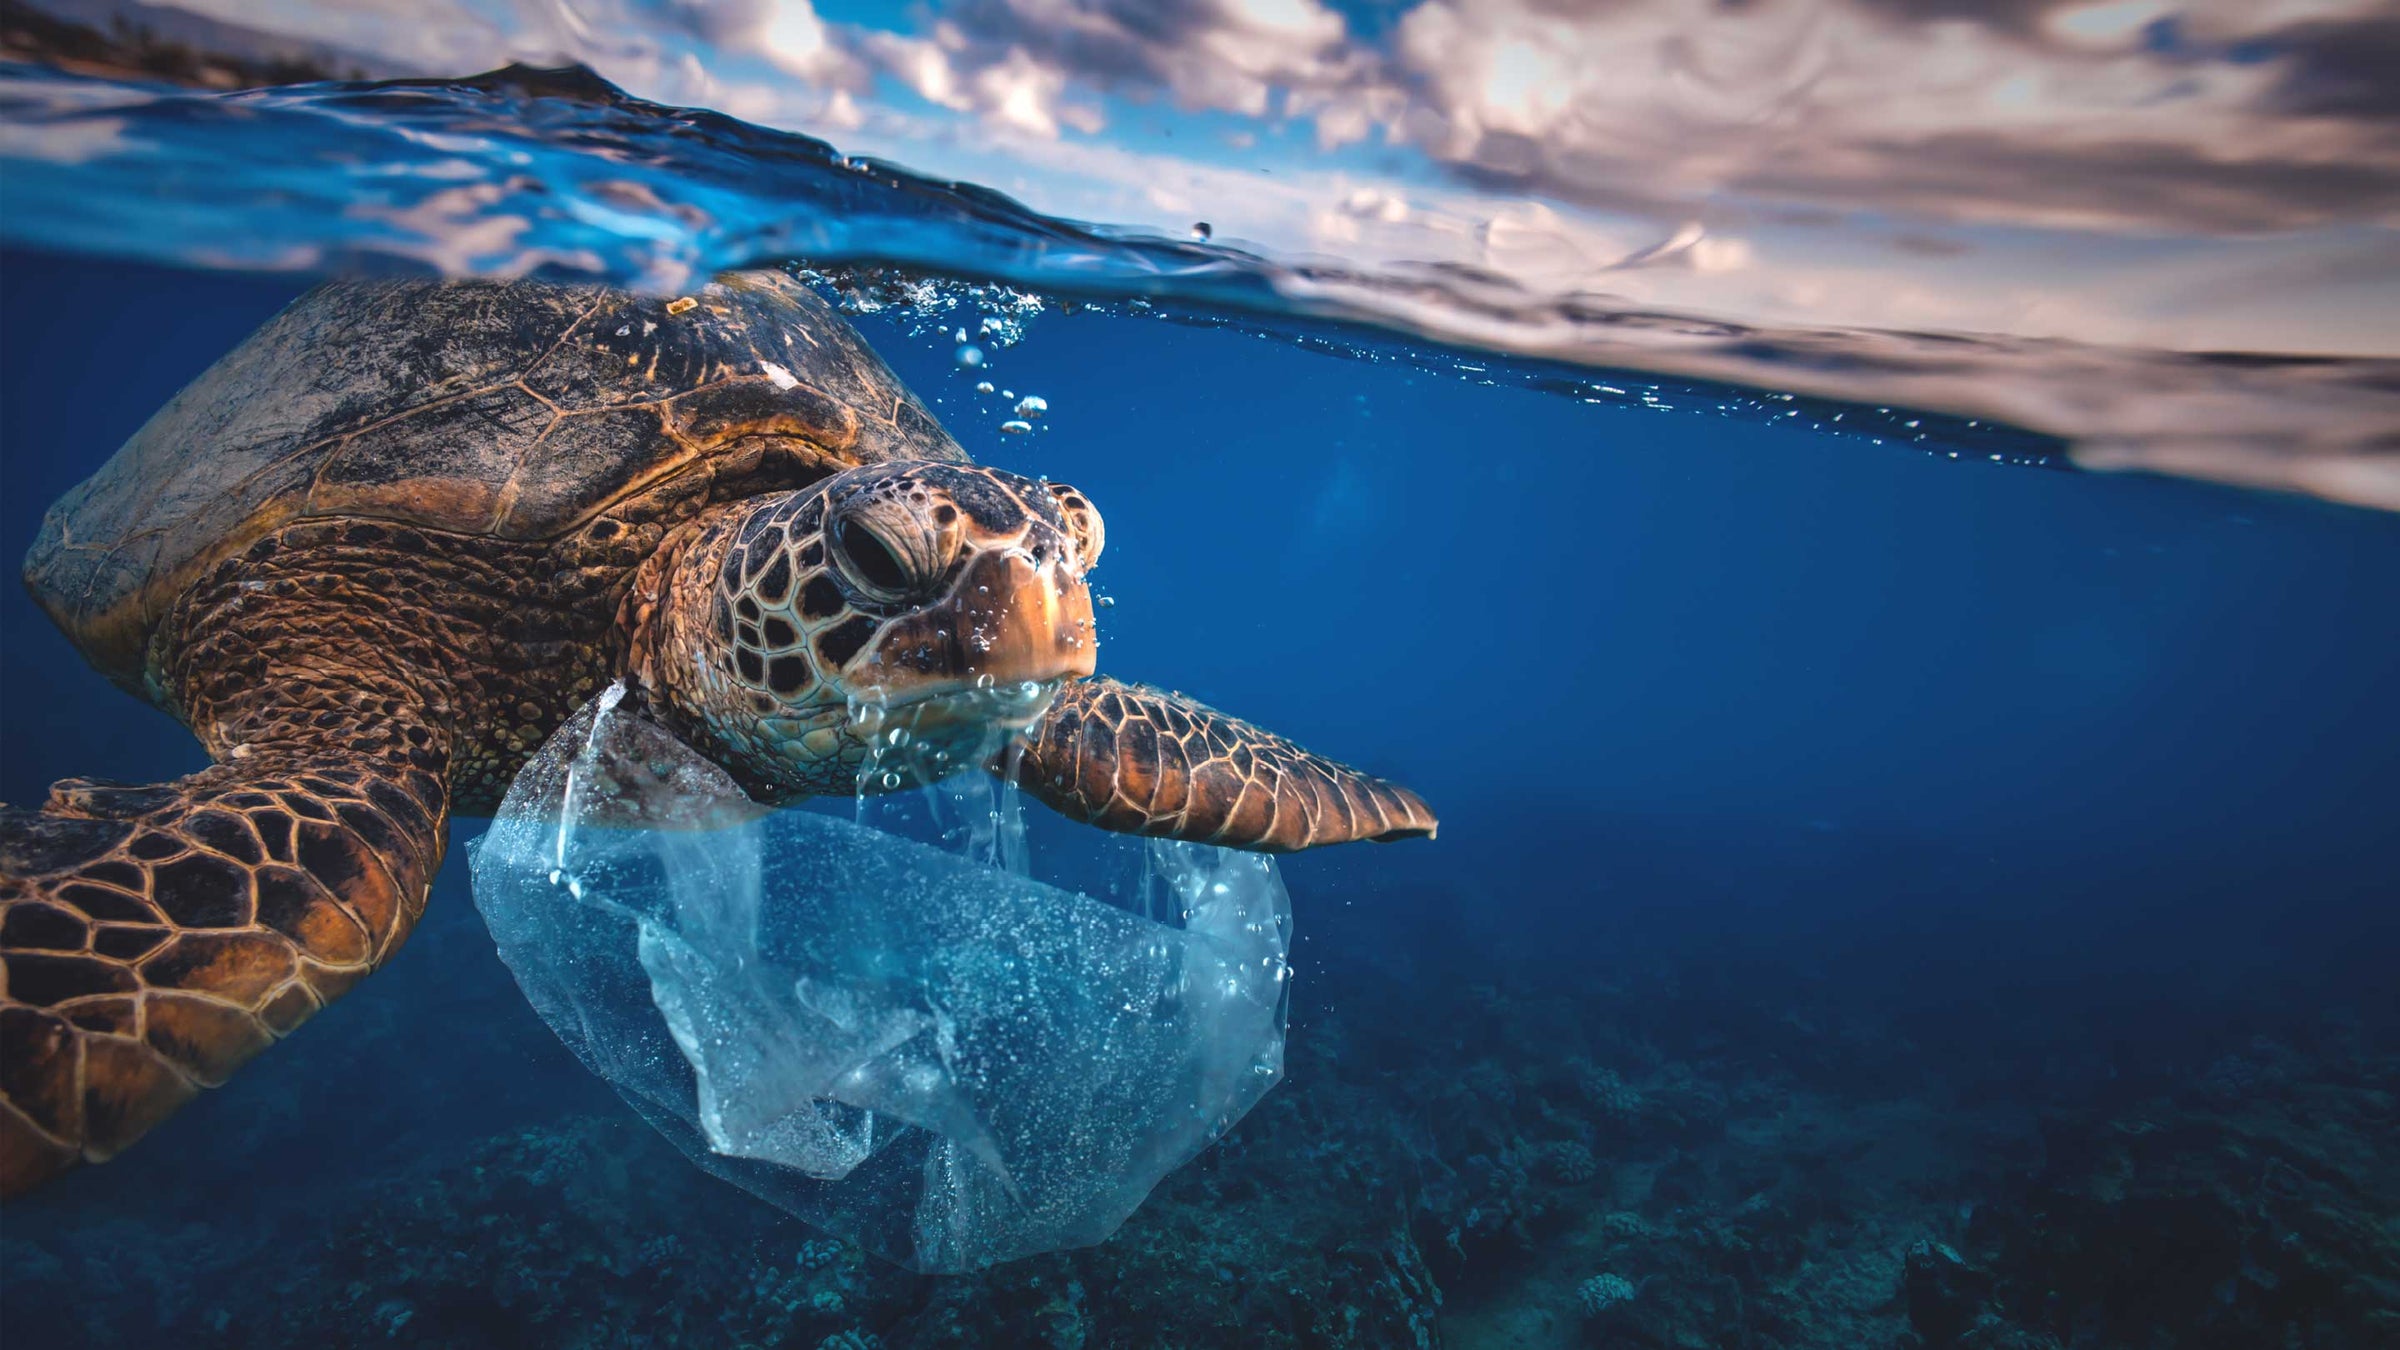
[[2214, 175]]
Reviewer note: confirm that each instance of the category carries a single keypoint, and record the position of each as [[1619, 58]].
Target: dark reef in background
[[1475, 1150]]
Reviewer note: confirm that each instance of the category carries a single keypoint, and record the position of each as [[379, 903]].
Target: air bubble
[[969, 355], [1032, 406], [1015, 427], [983, 386]]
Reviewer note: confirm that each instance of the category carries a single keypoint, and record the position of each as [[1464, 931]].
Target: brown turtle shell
[[508, 409]]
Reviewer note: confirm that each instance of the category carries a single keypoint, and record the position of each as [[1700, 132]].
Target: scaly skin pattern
[[513, 411], [356, 681], [764, 644], [1137, 760], [154, 938]]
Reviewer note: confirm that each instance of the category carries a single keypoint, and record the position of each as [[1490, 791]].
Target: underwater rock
[[1602, 1292], [1943, 1292], [949, 1063], [2214, 1218], [1566, 1162], [1323, 1220]]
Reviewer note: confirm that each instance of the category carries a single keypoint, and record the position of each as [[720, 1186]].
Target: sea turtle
[[377, 553]]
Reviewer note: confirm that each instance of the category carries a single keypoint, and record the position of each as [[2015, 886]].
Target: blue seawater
[[1889, 892]]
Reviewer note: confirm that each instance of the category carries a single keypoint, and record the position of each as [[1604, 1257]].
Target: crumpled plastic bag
[[947, 1061]]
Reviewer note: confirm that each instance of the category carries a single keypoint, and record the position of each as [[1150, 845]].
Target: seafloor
[[1475, 1147]]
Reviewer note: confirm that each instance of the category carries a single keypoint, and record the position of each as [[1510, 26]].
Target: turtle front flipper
[[154, 938], [1137, 760]]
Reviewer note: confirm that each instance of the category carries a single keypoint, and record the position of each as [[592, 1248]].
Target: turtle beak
[[1010, 620], [1022, 621]]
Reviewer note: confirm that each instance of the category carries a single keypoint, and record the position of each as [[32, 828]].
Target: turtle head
[[929, 609]]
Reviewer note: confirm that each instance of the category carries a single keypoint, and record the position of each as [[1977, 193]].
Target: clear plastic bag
[[938, 1056]]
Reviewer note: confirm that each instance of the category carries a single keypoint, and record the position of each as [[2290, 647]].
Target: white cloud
[[1783, 161], [791, 35], [2064, 114], [1232, 55], [1840, 104], [1662, 105]]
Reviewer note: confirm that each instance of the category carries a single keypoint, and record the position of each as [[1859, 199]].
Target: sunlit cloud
[[1230, 55], [1860, 162], [1718, 150]]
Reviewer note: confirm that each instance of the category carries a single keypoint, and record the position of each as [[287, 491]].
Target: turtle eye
[[870, 561]]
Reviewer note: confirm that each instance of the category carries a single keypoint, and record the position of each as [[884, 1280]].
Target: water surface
[[557, 173]]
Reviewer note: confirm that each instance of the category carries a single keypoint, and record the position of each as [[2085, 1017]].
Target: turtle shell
[[511, 409]]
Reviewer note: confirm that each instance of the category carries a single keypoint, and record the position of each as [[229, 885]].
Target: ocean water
[[1894, 888]]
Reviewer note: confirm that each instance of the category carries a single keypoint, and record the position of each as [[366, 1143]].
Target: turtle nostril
[[869, 560]]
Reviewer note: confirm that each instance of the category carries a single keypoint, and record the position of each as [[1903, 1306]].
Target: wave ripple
[[557, 173]]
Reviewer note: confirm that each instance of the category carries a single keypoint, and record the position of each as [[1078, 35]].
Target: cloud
[[1231, 55], [2341, 69], [2070, 168], [1009, 86], [2192, 117], [1016, 60], [2019, 166], [2153, 115], [2082, 116], [788, 33]]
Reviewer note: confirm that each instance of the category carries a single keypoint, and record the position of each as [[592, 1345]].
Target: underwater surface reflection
[[557, 173]]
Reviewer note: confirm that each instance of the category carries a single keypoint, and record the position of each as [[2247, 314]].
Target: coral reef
[[1604, 1291], [1479, 1157], [2253, 1207]]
